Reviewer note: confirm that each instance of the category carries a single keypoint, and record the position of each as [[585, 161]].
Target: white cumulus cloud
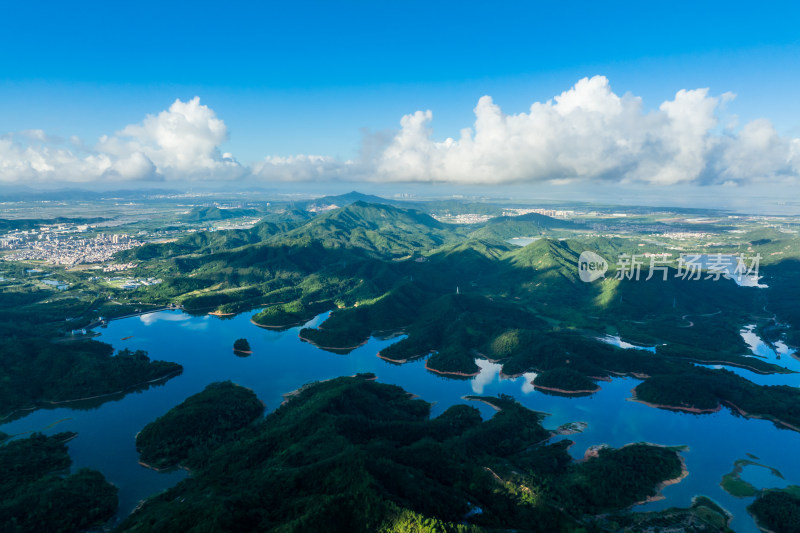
[[589, 132], [180, 143]]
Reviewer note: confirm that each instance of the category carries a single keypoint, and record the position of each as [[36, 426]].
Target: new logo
[[591, 266]]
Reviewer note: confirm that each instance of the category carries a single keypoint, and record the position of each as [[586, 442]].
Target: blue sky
[[318, 78]]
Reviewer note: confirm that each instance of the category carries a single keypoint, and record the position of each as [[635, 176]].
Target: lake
[[281, 362]]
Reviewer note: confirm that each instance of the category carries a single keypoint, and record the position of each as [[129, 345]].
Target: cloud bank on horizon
[[587, 133]]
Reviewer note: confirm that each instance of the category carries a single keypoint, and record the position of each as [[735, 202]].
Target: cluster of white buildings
[[468, 218], [68, 250], [118, 267], [553, 213], [131, 283]]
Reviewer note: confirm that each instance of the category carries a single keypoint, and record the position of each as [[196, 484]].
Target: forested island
[[706, 390], [565, 381], [241, 346], [351, 454]]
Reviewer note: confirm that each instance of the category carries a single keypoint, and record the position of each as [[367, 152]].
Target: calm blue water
[[780, 355], [617, 341], [282, 363]]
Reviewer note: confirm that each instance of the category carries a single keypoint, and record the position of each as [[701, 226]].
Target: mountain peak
[[326, 203]]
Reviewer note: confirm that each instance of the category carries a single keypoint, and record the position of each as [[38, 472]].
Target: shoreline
[[401, 361], [287, 326], [45, 403], [693, 410], [758, 525], [166, 468], [482, 400], [637, 375], [446, 373], [664, 484], [564, 391], [291, 394], [739, 365], [334, 348], [761, 417]]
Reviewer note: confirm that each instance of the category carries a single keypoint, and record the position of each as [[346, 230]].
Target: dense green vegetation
[[783, 279], [241, 345], [385, 231], [294, 313], [777, 510], [37, 372], [706, 389], [199, 214], [201, 423], [353, 455], [704, 516], [632, 471], [565, 379], [529, 225], [37, 495]]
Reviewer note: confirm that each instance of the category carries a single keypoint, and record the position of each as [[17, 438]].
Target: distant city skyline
[[580, 98]]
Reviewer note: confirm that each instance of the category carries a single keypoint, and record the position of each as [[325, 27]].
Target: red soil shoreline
[[482, 400], [338, 348], [737, 365], [666, 483], [445, 373], [401, 361], [131, 387], [760, 417], [719, 407], [564, 391], [694, 410], [276, 327]]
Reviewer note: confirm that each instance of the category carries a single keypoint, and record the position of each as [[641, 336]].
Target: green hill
[[203, 214], [204, 242], [279, 222], [343, 200], [528, 225], [380, 229], [201, 422]]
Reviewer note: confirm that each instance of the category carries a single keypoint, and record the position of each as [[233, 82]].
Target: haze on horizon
[[688, 105]]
